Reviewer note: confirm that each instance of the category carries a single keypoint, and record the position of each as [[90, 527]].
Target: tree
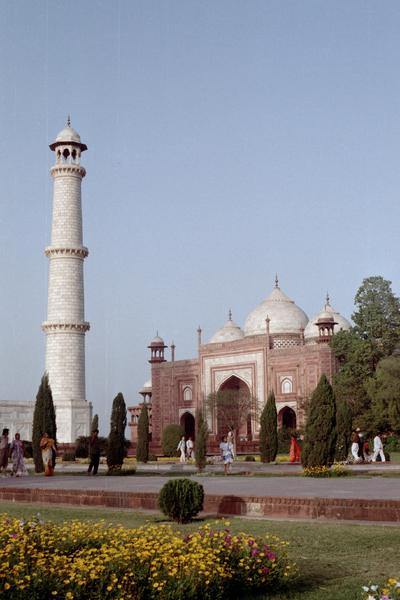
[[344, 424], [200, 453], [268, 430], [44, 419], [233, 408], [383, 391], [116, 438], [95, 423], [142, 447], [359, 350], [320, 433]]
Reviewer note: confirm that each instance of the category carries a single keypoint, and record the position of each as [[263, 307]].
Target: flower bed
[[337, 470], [390, 591], [82, 561]]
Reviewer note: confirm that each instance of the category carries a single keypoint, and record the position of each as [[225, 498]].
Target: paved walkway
[[375, 488]]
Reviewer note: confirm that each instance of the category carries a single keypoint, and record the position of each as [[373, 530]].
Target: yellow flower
[[6, 586]]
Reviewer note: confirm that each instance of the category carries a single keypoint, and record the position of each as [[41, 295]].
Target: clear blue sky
[[227, 141]]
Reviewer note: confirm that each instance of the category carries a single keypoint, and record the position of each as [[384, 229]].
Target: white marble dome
[[68, 135], [147, 385], [311, 331], [228, 333], [157, 341], [284, 315]]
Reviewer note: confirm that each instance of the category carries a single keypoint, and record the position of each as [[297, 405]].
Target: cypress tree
[[44, 419], [344, 424], [95, 423], [142, 447], [200, 453], [320, 433], [268, 430], [116, 439]]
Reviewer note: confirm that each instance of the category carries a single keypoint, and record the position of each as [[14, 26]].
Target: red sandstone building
[[279, 349]]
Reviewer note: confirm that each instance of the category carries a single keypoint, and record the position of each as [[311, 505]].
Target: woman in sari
[[46, 446], [17, 452], [295, 450]]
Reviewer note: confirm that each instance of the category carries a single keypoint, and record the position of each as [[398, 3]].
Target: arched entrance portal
[[244, 432], [287, 418], [188, 422]]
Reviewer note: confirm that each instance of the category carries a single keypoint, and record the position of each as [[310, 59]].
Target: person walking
[[4, 451], [378, 448], [47, 448], [354, 445], [360, 444], [189, 449], [295, 450], [227, 454], [182, 447], [17, 453], [94, 451]]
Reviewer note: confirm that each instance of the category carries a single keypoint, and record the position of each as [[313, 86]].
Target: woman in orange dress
[[46, 446], [295, 450]]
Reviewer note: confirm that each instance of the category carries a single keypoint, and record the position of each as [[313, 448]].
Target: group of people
[[360, 448], [186, 448], [18, 452]]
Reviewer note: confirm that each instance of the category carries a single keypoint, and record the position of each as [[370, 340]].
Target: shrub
[[116, 440], [28, 448], [387, 456], [268, 430], [142, 446], [320, 437], [152, 458], [119, 472], [200, 453], [249, 459], [344, 423], [82, 447], [392, 444], [68, 457], [181, 499], [170, 439]]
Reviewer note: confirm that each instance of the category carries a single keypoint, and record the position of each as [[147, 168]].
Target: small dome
[[228, 333], [311, 331], [325, 315], [68, 135], [284, 316], [147, 385], [157, 341]]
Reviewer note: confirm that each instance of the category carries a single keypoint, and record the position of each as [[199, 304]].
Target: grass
[[334, 559]]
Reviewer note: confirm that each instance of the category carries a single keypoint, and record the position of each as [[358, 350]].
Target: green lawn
[[334, 559]]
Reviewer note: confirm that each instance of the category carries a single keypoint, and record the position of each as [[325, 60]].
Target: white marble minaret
[[66, 326]]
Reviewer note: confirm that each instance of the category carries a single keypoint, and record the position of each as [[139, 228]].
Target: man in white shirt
[[378, 448]]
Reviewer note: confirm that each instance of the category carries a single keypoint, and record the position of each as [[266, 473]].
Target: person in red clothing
[[295, 450]]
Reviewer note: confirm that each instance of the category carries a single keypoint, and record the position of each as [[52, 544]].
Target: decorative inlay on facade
[[191, 411], [81, 327], [81, 252], [221, 376], [280, 405]]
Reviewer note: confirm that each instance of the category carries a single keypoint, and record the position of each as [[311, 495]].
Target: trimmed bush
[[320, 438], [268, 430], [250, 459], [152, 458], [142, 446], [117, 450], [117, 471], [200, 453], [171, 436], [344, 424], [68, 457], [181, 499]]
